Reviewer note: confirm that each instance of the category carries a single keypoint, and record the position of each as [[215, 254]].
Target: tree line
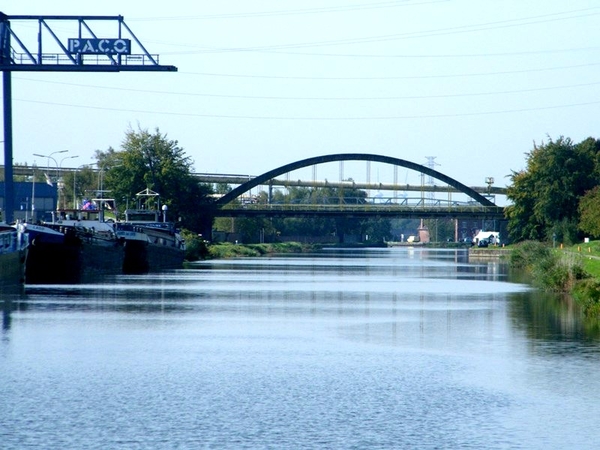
[[557, 196], [152, 160], [373, 230]]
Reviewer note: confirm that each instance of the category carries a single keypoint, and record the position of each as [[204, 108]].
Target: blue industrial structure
[[32, 202], [83, 52]]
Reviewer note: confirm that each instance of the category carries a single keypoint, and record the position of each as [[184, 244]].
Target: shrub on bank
[[559, 271], [228, 250], [587, 294], [525, 254], [551, 270], [195, 246]]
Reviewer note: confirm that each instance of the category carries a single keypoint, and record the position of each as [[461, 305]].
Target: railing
[[367, 208], [99, 59]]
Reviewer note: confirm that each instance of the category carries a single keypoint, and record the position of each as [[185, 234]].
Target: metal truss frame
[[18, 55]]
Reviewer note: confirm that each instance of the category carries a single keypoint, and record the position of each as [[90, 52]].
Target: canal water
[[390, 348]]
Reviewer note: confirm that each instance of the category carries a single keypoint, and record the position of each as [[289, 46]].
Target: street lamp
[[75, 185], [60, 183], [49, 179], [101, 166], [61, 161], [49, 157]]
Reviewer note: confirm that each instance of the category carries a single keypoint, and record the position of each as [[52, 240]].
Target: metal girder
[[265, 177], [81, 51], [282, 211]]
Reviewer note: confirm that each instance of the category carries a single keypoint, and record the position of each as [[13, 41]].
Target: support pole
[[9, 192]]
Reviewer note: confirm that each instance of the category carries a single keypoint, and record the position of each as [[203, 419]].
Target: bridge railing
[[367, 207], [379, 201]]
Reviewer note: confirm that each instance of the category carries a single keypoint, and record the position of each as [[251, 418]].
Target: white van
[[485, 238]]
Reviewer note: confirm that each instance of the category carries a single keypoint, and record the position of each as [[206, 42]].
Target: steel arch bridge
[[265, 177]]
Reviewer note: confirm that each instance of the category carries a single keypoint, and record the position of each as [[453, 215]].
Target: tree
[[440, 230], [546, 194], [589, 209], [79, 184], [151, 160]]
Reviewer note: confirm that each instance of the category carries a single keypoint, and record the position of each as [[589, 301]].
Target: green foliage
[[228, 250], [589, 210], [440, 230], [255, 230], [195, 246], [551, 270], [546, 195], [377, 230], [558, 272], [564, 231], [151, 160], [587, 294], [525, 254], [80, 184]]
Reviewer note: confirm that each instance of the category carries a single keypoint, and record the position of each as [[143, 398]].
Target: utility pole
[[81, 51]]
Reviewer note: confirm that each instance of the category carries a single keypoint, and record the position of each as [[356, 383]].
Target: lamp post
[[101, 178], [49, 157], [60, 183], [75, 185], [101, 167]]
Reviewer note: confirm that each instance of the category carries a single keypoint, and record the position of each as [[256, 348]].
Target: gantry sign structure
[[92, 44]]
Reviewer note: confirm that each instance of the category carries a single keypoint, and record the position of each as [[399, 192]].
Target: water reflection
[[9, 295], [416, 286], [551, 317], [408, 348]]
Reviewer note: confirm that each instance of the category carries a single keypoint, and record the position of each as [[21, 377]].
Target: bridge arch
[[265, 177]]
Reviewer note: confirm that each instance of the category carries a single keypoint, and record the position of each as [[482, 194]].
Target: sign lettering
[[100, 46]]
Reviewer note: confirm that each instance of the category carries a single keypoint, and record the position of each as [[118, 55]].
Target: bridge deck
[[319, 210]]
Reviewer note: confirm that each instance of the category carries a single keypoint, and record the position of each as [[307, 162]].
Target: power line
[[290, 12], [531, 20], [394, 77], [284, 118], [424, 56], [263, 97]]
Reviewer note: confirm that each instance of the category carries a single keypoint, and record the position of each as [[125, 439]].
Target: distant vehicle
[[486, 238]]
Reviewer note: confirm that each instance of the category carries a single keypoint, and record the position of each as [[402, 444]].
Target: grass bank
[[198, 249], [587, 291], [574, 270], [228, 250]]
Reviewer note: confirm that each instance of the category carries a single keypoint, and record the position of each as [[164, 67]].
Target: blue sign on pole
[[100, 46]]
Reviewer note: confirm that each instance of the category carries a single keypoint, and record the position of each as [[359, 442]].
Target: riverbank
[[573, 270], [197, 249], [489, 253], [229, 250], [587, 291]]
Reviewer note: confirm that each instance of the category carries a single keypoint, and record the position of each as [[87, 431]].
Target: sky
[[467, 87]]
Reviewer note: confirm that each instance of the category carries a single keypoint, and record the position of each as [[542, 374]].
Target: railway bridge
[[437, 196], [478, 203]]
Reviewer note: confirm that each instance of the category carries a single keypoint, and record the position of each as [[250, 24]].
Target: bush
[[550, 270], [525, 254], [587, 294], [195, 246]]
